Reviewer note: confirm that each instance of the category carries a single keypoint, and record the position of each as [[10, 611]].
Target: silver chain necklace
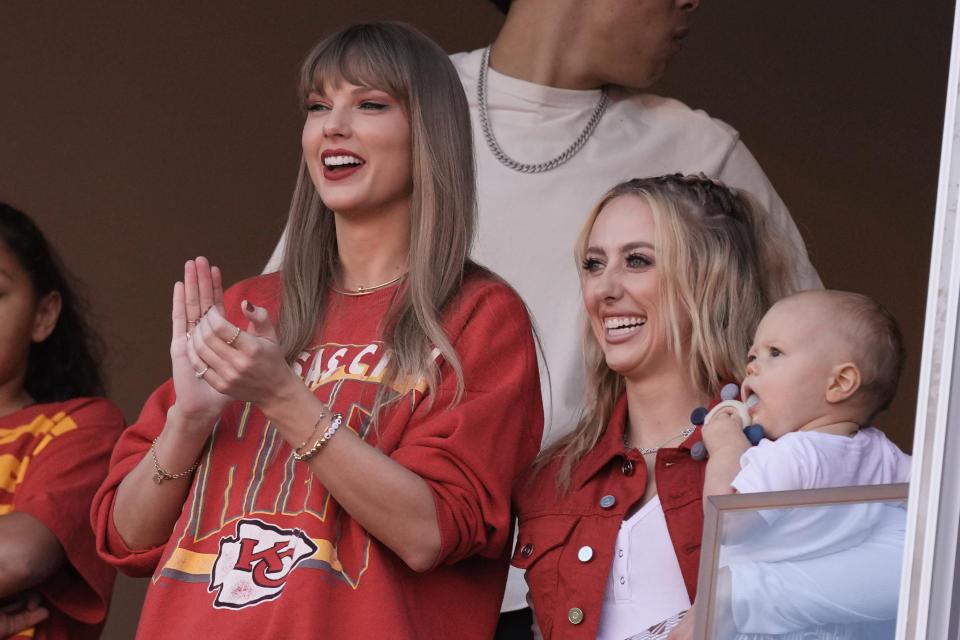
[[502, 156], [645, 450]]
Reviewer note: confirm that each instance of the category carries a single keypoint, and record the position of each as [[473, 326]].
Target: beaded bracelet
[[335, 421], [162, 474]]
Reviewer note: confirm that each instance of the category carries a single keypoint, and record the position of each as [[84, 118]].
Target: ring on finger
[[233, 338], [202, 372]]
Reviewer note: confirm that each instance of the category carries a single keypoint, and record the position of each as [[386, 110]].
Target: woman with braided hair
[[675, 276]]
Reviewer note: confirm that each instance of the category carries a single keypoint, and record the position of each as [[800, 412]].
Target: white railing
[[929, 599]]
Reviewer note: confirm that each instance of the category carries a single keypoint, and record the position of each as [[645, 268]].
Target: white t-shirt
[[814, 460], [645, 585], [817, 460], [859, 588]]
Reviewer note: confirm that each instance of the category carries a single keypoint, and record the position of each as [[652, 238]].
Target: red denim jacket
[[566, 540]]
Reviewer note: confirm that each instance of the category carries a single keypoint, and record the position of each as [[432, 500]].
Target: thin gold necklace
[[364, 291]]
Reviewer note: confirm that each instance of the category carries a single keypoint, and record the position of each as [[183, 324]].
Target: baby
[[823, 364]]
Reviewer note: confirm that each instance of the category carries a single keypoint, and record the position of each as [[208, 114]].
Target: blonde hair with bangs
[[719, 272], [398, 59]]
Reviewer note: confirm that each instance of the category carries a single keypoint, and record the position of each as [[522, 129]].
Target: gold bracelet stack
[[160, 473], [335, 420], [313, 431]]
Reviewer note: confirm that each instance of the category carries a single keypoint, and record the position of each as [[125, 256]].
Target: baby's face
[[789, 366]]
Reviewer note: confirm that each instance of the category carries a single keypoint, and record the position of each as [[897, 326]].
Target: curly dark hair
[[68, 363]]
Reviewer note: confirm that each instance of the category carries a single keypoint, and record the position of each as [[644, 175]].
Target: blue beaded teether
[[730, 391], [698, 416], [728, 396], [754, 433], [698, 451]]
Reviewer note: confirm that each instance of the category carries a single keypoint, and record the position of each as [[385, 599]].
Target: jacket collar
[[610, 446]]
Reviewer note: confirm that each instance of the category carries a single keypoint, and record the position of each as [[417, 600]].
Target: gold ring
[[236, 334], [192, 322], [202, 373]]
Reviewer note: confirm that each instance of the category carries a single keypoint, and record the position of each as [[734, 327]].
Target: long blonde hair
[[398, 59], [719, 272]]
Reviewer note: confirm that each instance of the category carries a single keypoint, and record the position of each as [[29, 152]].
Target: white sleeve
[[742, 171], [276, 259], [781, 465]]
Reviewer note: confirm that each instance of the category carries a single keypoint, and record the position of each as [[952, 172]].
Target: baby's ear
[[844, 382]]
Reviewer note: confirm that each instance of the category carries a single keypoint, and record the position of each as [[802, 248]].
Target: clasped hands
[[215, 361]]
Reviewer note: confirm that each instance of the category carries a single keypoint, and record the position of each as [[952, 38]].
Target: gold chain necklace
[[364, 291]]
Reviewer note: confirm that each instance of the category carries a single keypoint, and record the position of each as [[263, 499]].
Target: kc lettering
[[253, 567]]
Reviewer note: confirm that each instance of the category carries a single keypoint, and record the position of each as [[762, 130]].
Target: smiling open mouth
[[623, 325], [337, 163]]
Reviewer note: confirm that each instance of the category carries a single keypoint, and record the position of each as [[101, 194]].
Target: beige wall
[[139, 135]]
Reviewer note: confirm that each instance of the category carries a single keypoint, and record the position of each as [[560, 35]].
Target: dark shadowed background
[[139, 135]]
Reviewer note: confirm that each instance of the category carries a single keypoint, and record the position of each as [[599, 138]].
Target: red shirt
[[568, 592], [262, 549], [52, 459]]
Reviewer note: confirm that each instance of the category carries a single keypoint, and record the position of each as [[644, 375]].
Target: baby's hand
[[724, 427]]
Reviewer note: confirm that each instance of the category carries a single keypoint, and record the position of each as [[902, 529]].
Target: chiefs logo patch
[[253, 567]]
